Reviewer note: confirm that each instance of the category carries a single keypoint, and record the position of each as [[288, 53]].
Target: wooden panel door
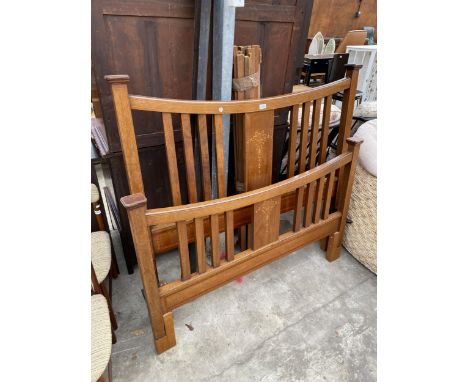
[[152, 42]]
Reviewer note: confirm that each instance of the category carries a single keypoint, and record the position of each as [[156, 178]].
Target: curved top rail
[[235, 107], [217, 206]]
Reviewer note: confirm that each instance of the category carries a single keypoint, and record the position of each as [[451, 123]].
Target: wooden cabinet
[[153, 42]]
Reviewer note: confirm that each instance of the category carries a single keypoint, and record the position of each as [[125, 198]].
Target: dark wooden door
[[153, 42]]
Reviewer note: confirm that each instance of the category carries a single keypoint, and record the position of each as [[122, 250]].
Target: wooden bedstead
[[318, 191]]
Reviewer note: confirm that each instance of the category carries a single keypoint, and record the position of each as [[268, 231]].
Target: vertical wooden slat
[[318, 200], [292, 141], [214, 224], [311, 187], [200, 243], [325, 129], [328, 195], [229, 224], [298, 208], [204, 156], [304, 136], [314, 133], [176, 198], [309, 195], [171, 158], [183, 250], [189, 161], [218, 122]]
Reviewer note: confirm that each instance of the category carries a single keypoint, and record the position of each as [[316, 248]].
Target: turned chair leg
[[111, 311], [114, 269]]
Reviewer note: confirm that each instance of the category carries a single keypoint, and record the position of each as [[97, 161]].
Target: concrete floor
[[297, 319]]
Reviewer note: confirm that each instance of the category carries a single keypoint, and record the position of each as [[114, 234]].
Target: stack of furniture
[[101, 258], [161, 65], [365, 55]]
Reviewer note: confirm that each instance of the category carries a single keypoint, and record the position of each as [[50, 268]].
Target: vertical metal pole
[[202, 21], [224, 13]]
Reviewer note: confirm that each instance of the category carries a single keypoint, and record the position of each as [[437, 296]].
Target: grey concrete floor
[[297, 319]]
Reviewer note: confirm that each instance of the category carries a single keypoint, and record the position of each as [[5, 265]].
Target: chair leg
[[114, 338], [114, 269], [111, 311]]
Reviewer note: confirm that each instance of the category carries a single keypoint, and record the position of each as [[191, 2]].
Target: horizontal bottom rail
[[179, 292]]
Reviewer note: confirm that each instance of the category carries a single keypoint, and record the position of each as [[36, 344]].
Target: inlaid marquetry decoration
[[266, 221], [258, 149]]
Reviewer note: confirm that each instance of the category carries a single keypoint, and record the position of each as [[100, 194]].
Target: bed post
[[123, 113], [347, 173], [162, 324], [346, 120]]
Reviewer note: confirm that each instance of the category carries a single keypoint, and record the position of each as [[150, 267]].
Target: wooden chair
[[101, 340], [355, 37], [317, 193], [317, 44], [101, 259]]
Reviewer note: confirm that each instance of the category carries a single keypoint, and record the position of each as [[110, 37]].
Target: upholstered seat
[[94, 193], [100, 254], [101, 336]]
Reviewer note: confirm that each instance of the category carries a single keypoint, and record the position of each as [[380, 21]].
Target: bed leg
[[334, 247], [169, 340]]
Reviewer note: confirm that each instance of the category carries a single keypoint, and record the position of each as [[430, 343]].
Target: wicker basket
[[360, 238]]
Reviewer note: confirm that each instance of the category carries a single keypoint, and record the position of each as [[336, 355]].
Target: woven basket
[[360, 238]]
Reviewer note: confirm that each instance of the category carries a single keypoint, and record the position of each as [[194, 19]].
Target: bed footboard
[[316, 216]]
